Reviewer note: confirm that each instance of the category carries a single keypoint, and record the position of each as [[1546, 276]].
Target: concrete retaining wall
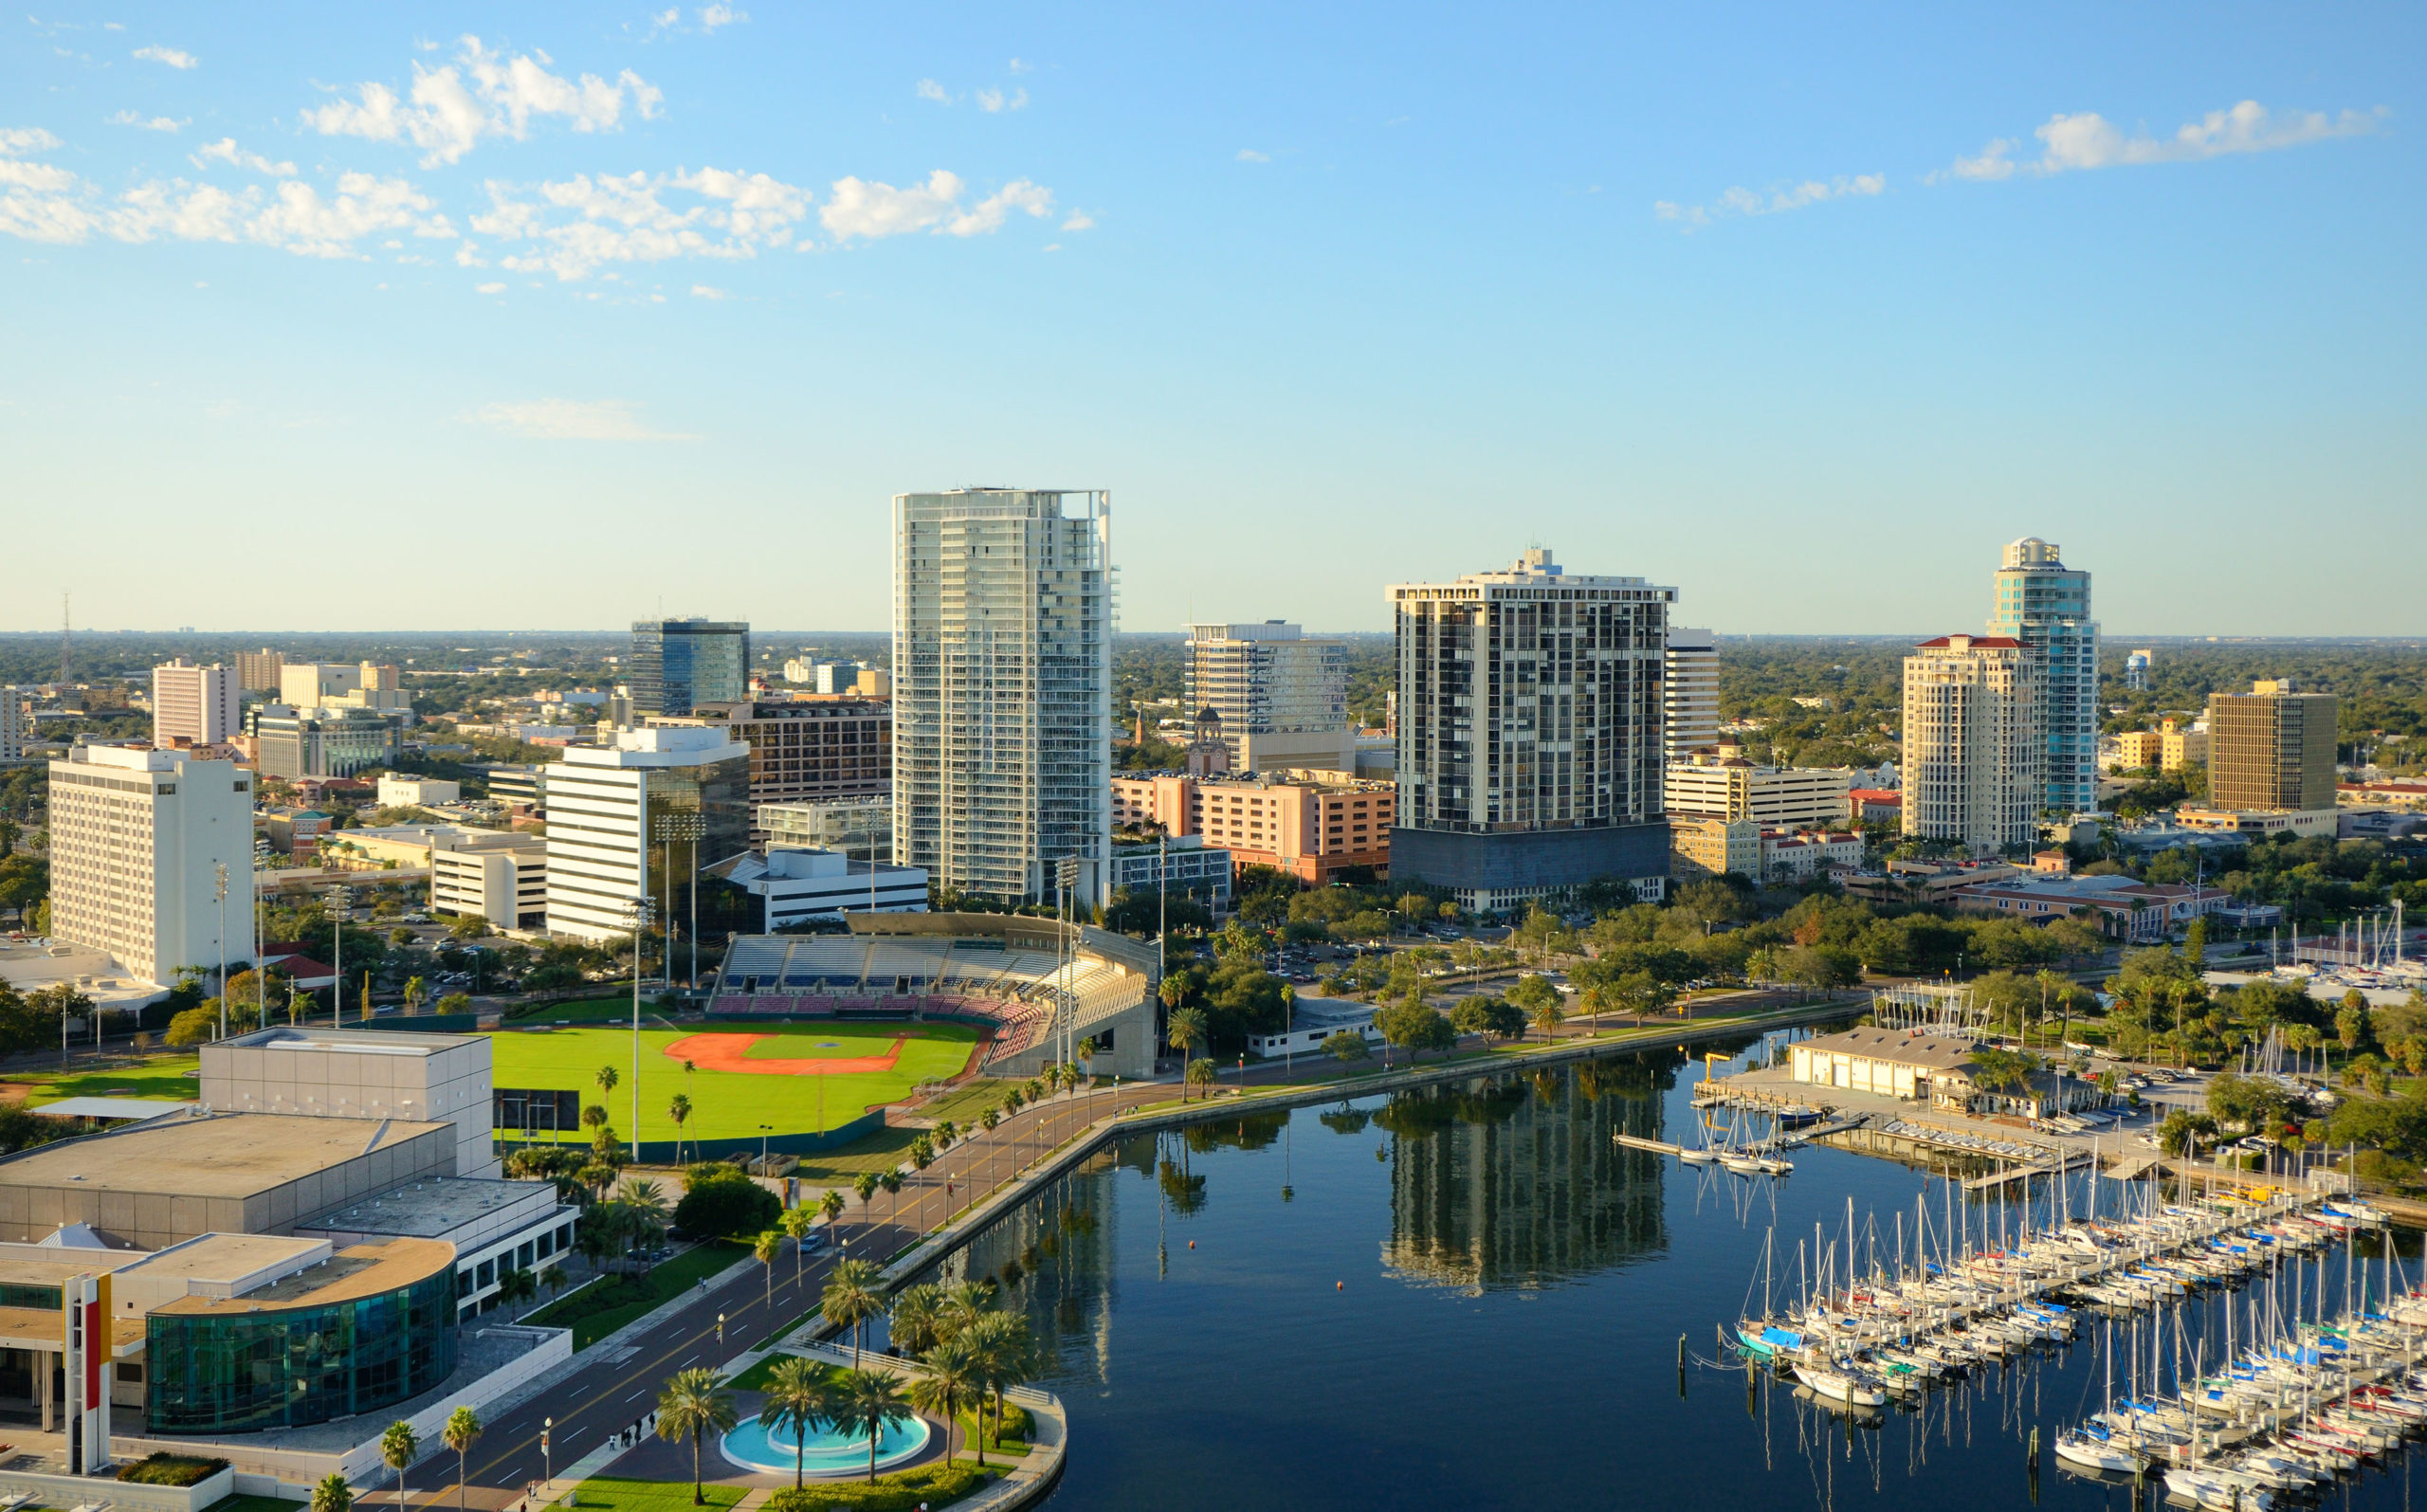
[[77, 1491]]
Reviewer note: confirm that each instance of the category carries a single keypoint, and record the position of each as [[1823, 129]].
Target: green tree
[[851, 1298], [1005, 1354], [693, 1404], [678, 1109], [953, 1385], [1540, 1001], [605, 1079], [398, 1448], [332, 1494], [800, 1395], [832, 1205], [797, 1223], [463, 1427], [1185, 1029], [1201, 1074], [768, 1248], [1346, 1044], [871, 1401], [918, 1321]]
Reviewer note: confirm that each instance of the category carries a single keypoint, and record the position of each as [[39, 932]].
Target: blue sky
[[369, 317]]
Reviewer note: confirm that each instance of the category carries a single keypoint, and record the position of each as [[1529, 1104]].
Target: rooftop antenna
[[65, 640]]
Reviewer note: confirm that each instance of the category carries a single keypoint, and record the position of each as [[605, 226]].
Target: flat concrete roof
[[223, 1155], [110, 1107], [428, 1208], [364, 1271], [382, 1042]]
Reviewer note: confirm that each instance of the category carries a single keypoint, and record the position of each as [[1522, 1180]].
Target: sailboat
[[1839, 1384], [2093, 1447]]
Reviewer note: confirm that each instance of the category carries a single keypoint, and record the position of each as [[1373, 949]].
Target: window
[[487, 1274]]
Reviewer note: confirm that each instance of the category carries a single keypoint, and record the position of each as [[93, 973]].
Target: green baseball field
[[800, 1080]]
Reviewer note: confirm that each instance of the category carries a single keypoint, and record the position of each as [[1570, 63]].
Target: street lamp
[[640, 910], [764, 1130], [720, 1336], [547, 1461], [340, 904]]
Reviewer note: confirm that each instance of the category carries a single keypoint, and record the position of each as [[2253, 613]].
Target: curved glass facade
[[283, 1367]]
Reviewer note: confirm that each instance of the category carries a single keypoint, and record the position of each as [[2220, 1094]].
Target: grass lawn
[[615, 1007], [733, 1103], [598, 1310], [610, 1493], [166, 1077], [963, 1104], [880, 1151]]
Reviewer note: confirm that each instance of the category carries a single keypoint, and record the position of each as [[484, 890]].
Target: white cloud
[[128, 117], [714, 16], [1020, 67], [171, 56], [570, 420], [704, 292], [1080, 221], [225, 150], [446, 115], [1740, 201], [575, 227], [1248, 155], [489, 288], [16, 139], [2087, 140], [869, 211], [929, 89], [993, 101]]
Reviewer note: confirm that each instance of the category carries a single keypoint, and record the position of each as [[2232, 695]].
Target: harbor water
[[1474, 1298]]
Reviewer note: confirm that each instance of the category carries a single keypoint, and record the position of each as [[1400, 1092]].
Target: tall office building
[[13, 723], [198, 705], [1002, 688], [136, 838], [817, 752], [1530, 743], [1972, 742], [1282, 695], [1690, 696], [679, 665], [2045, 605], [2271, 748], [259, 671], [615, 810]]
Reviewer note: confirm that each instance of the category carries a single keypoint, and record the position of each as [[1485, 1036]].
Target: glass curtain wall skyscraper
[[1002, 689], [679, 665], [2045, 605]]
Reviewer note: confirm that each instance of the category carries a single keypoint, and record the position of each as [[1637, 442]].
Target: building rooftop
[[109, 1107], [364, 1271], [354, 1041], [427, 1209], [1937, 1052], [227, 1154]]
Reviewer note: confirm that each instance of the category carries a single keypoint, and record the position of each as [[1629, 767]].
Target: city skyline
[[1877, 292]]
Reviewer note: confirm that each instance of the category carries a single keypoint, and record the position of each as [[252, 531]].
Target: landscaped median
[[608, 1303]]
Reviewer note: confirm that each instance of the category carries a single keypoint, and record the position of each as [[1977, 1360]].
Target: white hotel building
[[136, 839], [638, 817]]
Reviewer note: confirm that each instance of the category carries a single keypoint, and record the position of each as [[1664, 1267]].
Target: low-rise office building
[[1311, 824], [1874, 806], [809, 750], [1183, 867], [2134, 912], [1802, 855], [859, 827], [501, 877], [794, 884], [1717, 780], [412, 792], [1712, 846]]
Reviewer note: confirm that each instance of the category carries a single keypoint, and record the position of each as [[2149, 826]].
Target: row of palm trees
[[398, 1448], [969, 1349]]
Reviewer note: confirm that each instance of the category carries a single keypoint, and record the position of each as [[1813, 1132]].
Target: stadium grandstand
[[1036, 986]]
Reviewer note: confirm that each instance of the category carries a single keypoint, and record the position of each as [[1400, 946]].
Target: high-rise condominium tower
[[1689, 697], [2271, 748], [198, 704], [1282, 695], [137, 840], [679, 665], [1971, 743], [2045, 605], [1529, 732], [1002, 688]]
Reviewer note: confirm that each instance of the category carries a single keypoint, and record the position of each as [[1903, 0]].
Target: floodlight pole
[[220, 869], [640, 906]]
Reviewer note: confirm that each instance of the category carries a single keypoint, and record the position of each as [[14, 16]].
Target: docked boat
[[1840, 1385]]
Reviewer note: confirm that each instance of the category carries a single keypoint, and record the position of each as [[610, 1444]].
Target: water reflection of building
[[1520, 1181]]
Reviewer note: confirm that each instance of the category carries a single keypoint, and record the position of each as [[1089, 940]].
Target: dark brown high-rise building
[[2271, 748]]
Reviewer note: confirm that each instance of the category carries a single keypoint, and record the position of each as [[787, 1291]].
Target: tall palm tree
[[398, 1448], [463, 1427], [768, 1248], [918, 1319], [648, 1214], [1005, 1355], [964, 1304], [869, 1401], [693, 1402], [679, 1111], [832, 1205], [891, 1182], [605, 1079], [797, 1223], [801, 1395], [867, 1185], [416, 989], [951, 1386], [851, 1299], [1185, 1028], [333, 1494]]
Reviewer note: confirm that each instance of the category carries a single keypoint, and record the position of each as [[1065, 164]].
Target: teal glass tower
[[2045, 605]]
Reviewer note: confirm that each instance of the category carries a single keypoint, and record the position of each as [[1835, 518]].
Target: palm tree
[[416, 989], [891, 1182], [851, 1299], [645, 1210], [918, 1319], [1005, 1355], [951, 1386], [869, 1401], [1185, 1028], [1201, 1073], [800, 1394], [333, 1494], [767, 1249], [679, 1111], [605, 1079], [399, 1448], [797, 1223], [964, 1304], [518, 1286], [832, 1205], [463, 1427], [555, 1278], [867, 1185], [693, 1402]]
